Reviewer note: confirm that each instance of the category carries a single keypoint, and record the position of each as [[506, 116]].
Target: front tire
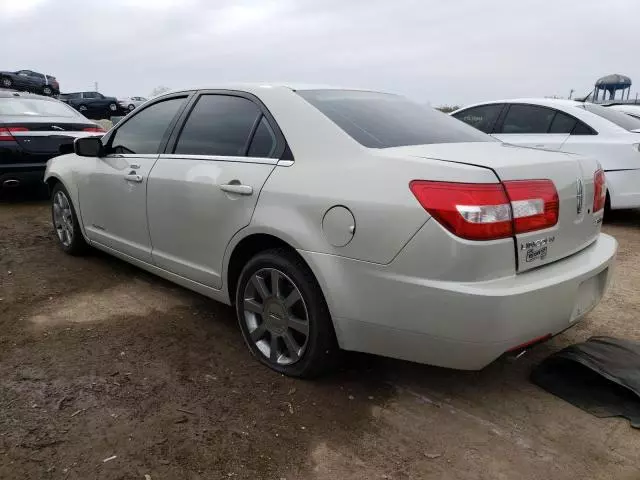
[[65, 222], [6, 82], [132, 107], [283, 315]]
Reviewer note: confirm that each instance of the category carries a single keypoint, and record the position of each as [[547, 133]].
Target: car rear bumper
[[464, 325]]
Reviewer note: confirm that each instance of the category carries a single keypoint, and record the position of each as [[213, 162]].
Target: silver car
[[343, 219], [131, 103]]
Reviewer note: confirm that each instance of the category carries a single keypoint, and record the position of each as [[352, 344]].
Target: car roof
[[545, 102], [257, 87], [4, 93]]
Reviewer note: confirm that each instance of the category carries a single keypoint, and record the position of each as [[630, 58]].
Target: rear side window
[[562, 123], [483, 117], [33, 107], [263, 143], [527, 119], [143, 133], [218, 125], [381, 120]]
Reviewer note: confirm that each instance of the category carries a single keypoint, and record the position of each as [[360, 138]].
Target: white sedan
[[612, 137], [131, 103], [343, 218]]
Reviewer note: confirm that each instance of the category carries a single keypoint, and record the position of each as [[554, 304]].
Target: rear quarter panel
[[373, 186]]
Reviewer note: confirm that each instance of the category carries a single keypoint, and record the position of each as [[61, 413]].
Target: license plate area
[[589, 294]]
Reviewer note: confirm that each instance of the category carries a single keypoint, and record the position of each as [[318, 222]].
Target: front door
[[205, 190], [113, 196]]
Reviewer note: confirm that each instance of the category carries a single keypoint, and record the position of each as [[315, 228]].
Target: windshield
[[35, 107], [381, 120], [620, 119]]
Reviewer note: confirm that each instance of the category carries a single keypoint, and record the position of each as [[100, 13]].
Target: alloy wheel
[[63, 218], [276, 316]]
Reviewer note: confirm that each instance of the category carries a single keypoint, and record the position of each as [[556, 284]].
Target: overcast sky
[[440, 51]]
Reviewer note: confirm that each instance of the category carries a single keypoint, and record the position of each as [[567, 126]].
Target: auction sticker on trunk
[[536, 254]]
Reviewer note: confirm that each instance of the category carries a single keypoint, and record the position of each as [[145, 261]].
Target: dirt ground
[[107, 372]]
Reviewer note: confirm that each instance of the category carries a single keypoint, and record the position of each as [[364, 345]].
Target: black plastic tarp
[[600, 376]]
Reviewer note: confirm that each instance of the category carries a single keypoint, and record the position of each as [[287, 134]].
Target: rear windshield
[[381, 120], [621, 119], [35, 107]]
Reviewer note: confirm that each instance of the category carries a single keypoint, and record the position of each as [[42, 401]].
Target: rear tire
[[132, 107], [65, 222], [47, 91], [293, 311]]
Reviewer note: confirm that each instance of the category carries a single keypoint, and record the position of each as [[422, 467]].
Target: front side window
[[381, 120], [143, 133], [483, 117], [91, 95], [218, 125], [522, 119]]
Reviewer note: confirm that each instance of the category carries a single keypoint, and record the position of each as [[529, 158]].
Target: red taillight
[[599, 191], [489, 211], [534, 203], [6, 133], [93, 129]]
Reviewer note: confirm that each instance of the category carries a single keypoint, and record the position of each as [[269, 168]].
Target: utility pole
[[571, 93], [95, 86]]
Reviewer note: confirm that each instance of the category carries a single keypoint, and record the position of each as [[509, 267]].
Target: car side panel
[[385, 213], [620, 162]]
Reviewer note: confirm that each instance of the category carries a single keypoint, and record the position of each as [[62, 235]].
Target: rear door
[[533, 126], [205, 187], [113, 196]]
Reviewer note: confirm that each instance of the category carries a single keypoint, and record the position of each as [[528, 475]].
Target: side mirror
[[88, 147]]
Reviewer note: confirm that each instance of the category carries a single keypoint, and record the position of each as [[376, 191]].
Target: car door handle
[[237, 188], [133, 177]]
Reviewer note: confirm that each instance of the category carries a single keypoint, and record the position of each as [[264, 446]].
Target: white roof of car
[[256, 87], [548, 102]]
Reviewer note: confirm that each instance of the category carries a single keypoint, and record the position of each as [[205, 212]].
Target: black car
[[93, 104], [30, 81], [34, 129]]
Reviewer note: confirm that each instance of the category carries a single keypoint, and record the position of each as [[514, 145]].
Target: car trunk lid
[[49, 135], [572, 176]]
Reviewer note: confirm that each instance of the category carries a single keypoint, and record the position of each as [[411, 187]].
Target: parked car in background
[[34, 129], [30, 81], [343, 218], [628, 108], [92, 104], [568, 126], [131, 103]]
